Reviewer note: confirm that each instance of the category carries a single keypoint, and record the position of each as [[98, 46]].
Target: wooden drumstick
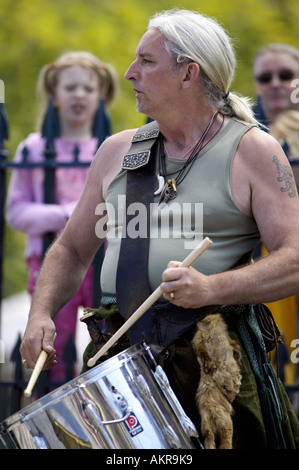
[[188, 261], [36, 371]]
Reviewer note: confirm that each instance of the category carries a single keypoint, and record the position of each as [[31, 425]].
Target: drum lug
[[92, 412], [186, 422]]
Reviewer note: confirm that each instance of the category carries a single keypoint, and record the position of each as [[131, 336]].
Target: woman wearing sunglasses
[[276, 66]]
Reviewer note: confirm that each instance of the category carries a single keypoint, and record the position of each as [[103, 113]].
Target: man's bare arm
[[263, 187], [69, 257]]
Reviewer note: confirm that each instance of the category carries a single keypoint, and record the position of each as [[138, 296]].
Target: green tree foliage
[[35, 32]]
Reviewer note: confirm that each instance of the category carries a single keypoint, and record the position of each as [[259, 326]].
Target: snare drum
[[124, 403]]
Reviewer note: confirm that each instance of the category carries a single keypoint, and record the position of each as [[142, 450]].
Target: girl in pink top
[[75, 82]]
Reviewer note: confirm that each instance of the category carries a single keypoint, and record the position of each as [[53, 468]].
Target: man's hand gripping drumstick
[[188, 261], [36, 371]]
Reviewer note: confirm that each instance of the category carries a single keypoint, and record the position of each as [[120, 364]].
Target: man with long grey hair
[[202, 40], [203, 152]]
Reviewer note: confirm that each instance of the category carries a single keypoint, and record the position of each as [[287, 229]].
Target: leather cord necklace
[[169, 190]]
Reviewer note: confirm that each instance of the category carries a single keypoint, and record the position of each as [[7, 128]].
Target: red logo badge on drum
[[133, 425]]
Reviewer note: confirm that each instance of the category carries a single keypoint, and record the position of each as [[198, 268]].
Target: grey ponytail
[[191, 36]]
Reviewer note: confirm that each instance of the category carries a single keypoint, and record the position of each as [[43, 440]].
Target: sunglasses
[[283, 75]]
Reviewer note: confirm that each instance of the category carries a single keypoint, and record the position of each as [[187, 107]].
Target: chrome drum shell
[[124, 403]]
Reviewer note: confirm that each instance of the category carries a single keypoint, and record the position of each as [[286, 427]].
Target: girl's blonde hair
[[193, 37], [48, 77]]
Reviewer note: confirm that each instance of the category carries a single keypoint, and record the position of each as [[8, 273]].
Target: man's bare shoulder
[[122, 137], [109, 157], [112, 151], [258, 147], [116, 144]]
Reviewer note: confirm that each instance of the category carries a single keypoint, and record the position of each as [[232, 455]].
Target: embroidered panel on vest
[[142, 142]]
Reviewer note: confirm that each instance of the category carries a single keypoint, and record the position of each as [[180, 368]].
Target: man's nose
[[131, 72]]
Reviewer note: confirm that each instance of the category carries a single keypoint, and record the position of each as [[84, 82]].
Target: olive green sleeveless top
[[204, 206]]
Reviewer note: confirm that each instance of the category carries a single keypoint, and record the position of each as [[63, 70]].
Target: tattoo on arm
[[285, 176]]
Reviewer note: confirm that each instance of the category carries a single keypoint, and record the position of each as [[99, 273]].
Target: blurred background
[[33, 33]]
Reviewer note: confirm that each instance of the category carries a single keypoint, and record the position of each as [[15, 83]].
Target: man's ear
[[191, 74]]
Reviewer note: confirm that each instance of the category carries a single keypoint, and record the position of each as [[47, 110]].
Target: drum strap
[[132, 284]]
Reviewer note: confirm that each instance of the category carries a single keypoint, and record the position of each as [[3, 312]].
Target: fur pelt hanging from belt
[[219, 358]]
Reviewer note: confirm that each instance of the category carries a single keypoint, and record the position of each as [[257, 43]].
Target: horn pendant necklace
[[169, 189]]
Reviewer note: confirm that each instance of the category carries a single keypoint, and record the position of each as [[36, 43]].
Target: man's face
[[152, 76], [273, 74]]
